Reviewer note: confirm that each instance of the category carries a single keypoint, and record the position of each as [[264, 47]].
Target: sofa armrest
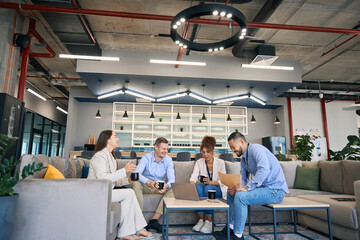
[[357, 197], [62, 209]]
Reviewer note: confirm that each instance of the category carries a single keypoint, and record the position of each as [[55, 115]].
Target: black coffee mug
[[212, 194], [161, 185], [134, 176], [202, 178]]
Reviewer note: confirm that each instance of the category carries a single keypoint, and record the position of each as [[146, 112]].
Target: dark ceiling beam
[[262, 16]]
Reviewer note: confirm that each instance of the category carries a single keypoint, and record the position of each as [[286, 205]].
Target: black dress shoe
[[222, 235], [154, 225]]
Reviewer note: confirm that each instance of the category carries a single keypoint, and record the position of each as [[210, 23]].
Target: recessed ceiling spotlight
[[216, 49], [229, 15], [210, 50], [215, 13], [175, 26], [222, 14], [182, 19], [177, 41], [181, 44], [221, 48], [242, 37], [244, 30], [178, 23], [185, 46]]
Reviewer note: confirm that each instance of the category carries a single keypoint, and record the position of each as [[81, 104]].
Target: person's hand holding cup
[[134, 176]]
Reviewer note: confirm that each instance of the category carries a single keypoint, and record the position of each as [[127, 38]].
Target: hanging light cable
[[152, 116], [98, 115], [203, 119], [178, 118], [125, 116]]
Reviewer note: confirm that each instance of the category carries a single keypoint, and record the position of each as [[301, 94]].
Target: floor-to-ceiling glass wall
[[42, 136]]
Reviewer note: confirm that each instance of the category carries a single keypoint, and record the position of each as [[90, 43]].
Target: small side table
[[172, 204], [292, 203]]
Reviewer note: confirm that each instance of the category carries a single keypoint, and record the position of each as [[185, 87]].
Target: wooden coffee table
[[292, 203], [172, 204]]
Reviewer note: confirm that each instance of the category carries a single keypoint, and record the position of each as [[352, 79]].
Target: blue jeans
[[202, 190], [239, 203]]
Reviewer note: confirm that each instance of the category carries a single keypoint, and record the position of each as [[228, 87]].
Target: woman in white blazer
[[103, 166], [208, 166]]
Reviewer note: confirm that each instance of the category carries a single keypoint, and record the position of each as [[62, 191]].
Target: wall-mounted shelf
[[140, 131]]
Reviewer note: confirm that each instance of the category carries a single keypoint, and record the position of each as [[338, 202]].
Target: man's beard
[[240, 154]]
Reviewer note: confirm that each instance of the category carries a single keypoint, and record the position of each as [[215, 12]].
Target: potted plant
[[236, 130], [160, 119], [303, 147], [181, 129], [8, 198], [350, 152], [121, 127], [199, 120]]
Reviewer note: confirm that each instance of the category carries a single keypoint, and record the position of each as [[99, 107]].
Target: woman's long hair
[[102, 141], [208, 142]]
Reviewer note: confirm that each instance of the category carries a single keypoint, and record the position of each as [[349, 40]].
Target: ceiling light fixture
[[87, 57], [277, 120], [253, 120], [98, 115], [256, 100], [178, 118], [152, 116], [36, 94], [62, 110], [267, 67], [199, 97], [228, 118], [139, 95], [159, 61], [125, 116], [231, 99], [177, 95], [111, 94], [204, 10]]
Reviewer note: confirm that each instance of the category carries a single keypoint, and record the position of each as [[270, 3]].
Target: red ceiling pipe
[[181, 49], [170, 18], [338, 45], [326, 133], [51, 53], [65, 78], [290, 123], [25, 62], [85, 24]]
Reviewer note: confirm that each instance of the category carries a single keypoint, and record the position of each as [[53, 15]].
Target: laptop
[[186, 191]]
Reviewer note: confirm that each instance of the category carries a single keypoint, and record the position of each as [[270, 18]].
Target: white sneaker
[[207, 228], [199, 225]]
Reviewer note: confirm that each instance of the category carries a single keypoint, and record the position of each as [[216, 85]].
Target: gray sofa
[[54, 207], [72, 208]]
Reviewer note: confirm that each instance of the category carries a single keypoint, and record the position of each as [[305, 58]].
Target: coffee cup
[[161, 184], [202, 178], [212, 194], [134, 176]]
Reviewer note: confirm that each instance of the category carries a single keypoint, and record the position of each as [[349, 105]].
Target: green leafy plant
[[303, 147], [181, 129], [160, 119], [8, 164], [236, 130], [121, 127], [199, 120], [350, 152]]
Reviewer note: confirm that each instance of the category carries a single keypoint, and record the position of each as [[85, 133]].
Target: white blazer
[[218, 166], [103, 166]]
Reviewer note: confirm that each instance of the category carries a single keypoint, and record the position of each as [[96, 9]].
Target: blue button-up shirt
[[149, 169], [266, 170]]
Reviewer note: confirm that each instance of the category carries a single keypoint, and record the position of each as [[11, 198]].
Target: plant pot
[[7, 215]]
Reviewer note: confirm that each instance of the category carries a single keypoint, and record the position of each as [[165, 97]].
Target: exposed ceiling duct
[[262, 16]]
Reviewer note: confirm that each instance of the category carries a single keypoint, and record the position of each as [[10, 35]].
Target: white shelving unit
[[140, 131]]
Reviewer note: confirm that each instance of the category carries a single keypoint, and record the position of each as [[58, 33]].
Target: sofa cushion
[[85, 172], [310, 164], [183, 171], [45, 161], [289, 169], [307, 178], [331, 176], [53, 173], [342, 213], [70, 168], [232, 167], [79, 163], [58, 163], [24, 161], [351, 173], [295, 192]]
